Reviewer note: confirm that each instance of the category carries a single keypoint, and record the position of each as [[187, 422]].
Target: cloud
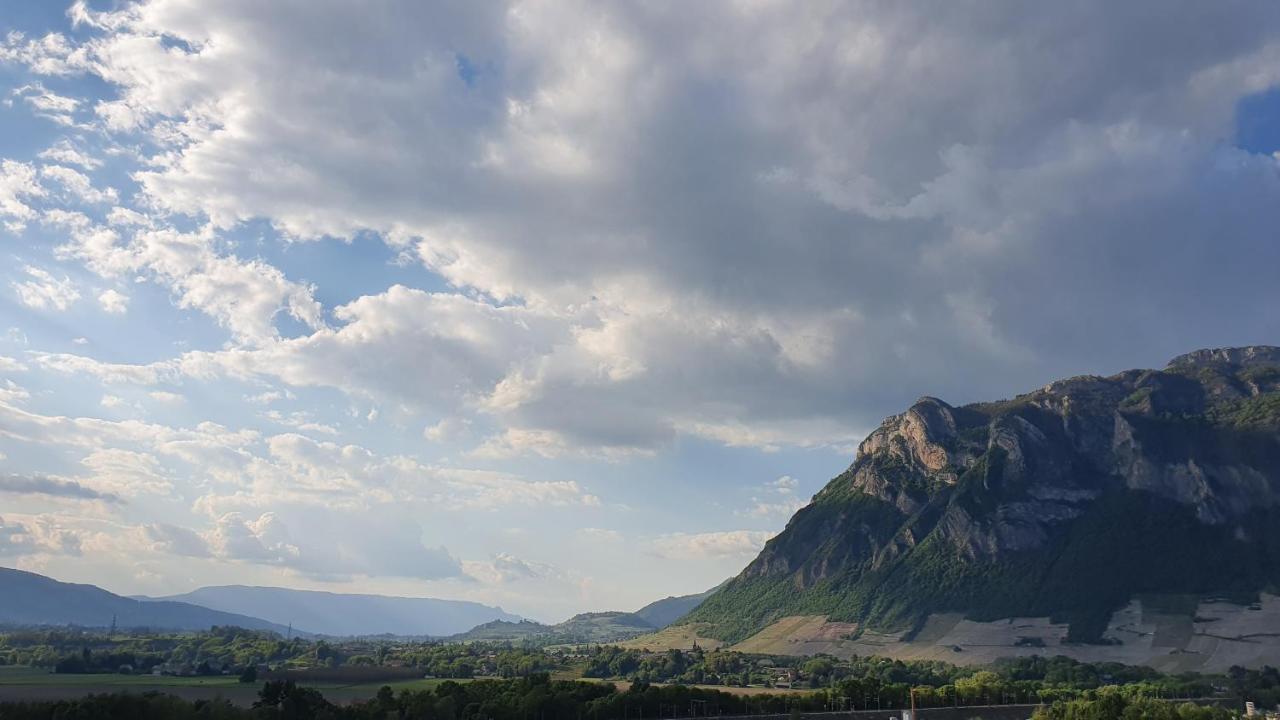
[[104, 371], [197, 266], [261, 540], [447, 430], [779, 502], [48, 104], [11, 392], [347, 547], [300, 420], [127, 473], [112, 401], [336, 548], [507, 568], [784, 485], [700, 546], [36, 536], [265, 398], [596, 535], [768, 244], [77, 185], [46, 292], [176, 540], [113, 301], [19, 185], [765, 509], [65, 153], [53, 487]]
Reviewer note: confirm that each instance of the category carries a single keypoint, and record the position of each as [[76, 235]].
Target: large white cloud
[[742, 221]]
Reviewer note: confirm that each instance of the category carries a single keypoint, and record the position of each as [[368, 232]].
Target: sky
[[568, 306]]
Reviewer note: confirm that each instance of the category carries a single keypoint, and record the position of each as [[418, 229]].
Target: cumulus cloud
[[77, 185], [507, 568], [127, 473], [745, 265], [389, 546], [261, 540], [34, 536], [19, 185], [52, 487], [176, 540], [701, 546], [44, 291], [254, 473], [66, 153], [113, 301]]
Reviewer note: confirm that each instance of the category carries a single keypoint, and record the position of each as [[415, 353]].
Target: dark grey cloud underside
[[41, 485]]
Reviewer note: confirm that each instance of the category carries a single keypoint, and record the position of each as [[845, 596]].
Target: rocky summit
[[1070, 503]]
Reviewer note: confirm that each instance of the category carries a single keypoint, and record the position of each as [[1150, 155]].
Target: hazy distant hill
[[343, 614], [661, 613], [592, 627], [582, 628], [31, 599]]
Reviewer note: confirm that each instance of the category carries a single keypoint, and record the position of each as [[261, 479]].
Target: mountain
[[499, 630], [328, 613], [1090, 511], [592, 627], [661, 613], [596, 627], [31, 599]]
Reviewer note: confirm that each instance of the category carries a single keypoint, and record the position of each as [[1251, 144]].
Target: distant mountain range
[[598, 627], [30, 599], [328, 613]]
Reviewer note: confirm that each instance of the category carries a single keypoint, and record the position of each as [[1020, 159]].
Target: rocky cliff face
[[1067, 501]]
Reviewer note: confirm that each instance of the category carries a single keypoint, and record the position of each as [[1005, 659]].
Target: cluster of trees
[[233, 650], [1114, 703], [871, 682], [1260, 686], [77, 651], [537, 696]]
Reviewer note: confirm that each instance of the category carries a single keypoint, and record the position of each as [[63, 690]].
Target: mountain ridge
[[664, 612], [31, 599], [587, 627], [1066, 502], [347, 614]]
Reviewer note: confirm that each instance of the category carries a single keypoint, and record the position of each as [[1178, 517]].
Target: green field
[[40, 676], [25, 683]]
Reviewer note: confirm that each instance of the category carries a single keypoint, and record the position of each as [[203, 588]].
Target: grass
[[40, 676], [28, 676]]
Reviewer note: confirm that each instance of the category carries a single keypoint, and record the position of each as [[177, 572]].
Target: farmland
[[24, 683]]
